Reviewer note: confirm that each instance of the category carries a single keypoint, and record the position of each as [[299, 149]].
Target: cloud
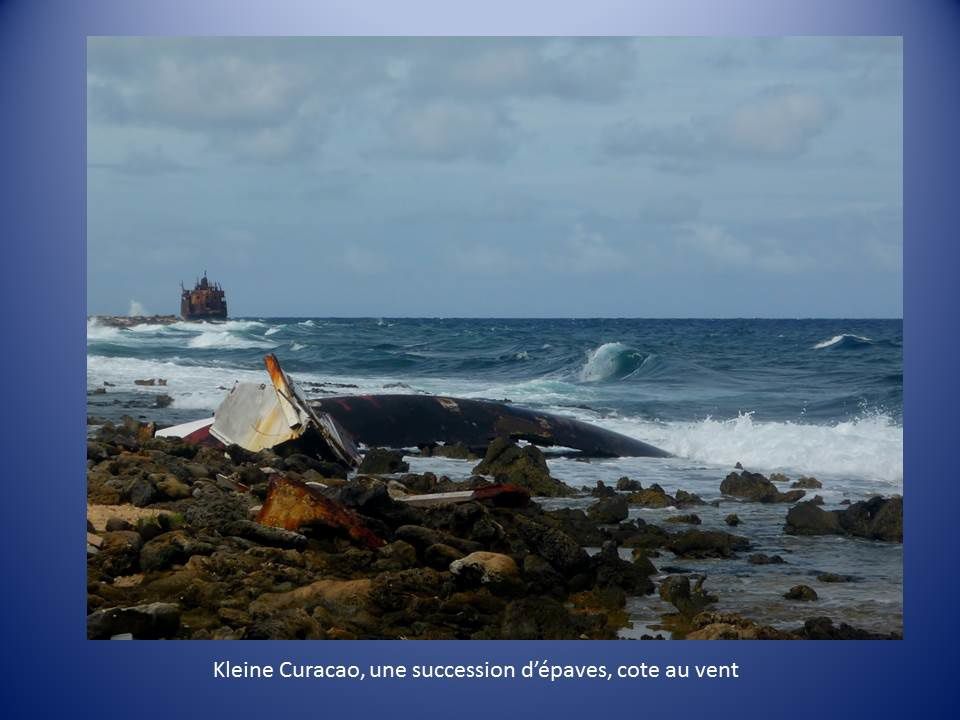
[[588, 251], [778, 124], [575, 69], [722, 250], [448, 130], [362, 261], [142, 162]]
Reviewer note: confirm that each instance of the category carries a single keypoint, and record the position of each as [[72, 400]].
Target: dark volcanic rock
[[613, 571], [754, 487], [830, 577], [706, 544], [822, 628], [675, 589], [625, 484], [801, 592], [527, 467], [874, 519], [687, 499], [378, 461], [146, 622], [732, 520], [539, 618], [809, 483], [609, 510], [762, 559], [651, 497], [692, 519], [603, 491]]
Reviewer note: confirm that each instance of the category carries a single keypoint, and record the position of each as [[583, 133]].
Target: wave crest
[[611, 361], [846, 340]]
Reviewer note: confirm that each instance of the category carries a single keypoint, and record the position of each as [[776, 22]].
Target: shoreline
[[206, 568]]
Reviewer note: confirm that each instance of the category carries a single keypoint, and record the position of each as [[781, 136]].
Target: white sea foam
[[844, 338], [870, 447], [294, 346], [273, 330], [225, 339]]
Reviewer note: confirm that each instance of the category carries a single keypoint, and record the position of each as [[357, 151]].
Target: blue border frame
[[48, 666]]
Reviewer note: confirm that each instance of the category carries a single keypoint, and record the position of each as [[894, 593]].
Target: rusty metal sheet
[[292, 505]]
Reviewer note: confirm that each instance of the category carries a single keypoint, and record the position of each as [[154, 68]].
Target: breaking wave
[[844, 341], [611, 361], [225, 339], [868, 447]]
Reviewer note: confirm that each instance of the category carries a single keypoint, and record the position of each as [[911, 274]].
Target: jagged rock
[[611, 570], [172, 548], [822, 628], [398, 555], [539, 618], [730, 626], [732, 520], [119, 553], [675, 589], [686, 499], [527, 467], [763, 559], [779, 478], [754, 487], [439, 556], [143, 622], [706, 544], [555, 546], [830, 577], [170, 486], [603, 491], [801, 592], [486, 567], [625, 484], [875, 519], [455, 451], [379, 461], [692, 519], [651, 497], [809, 483], [609, 510]]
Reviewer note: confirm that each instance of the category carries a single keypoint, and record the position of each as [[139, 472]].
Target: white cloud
[[448, 130]]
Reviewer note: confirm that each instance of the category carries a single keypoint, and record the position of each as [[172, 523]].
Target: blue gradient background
[[49, 669]]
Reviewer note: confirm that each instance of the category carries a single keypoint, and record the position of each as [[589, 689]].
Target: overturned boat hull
[[423, 420]]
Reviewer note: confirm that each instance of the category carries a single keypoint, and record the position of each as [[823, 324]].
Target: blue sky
[[525, 177]]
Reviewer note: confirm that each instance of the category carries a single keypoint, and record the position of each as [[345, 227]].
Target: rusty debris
[[292, 505]]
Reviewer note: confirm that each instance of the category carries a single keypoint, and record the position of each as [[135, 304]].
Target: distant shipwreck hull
[[423, 420], [205, 302]]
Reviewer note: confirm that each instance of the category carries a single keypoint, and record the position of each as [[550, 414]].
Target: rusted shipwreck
[[256, 416], [277, 415], [206, 301]]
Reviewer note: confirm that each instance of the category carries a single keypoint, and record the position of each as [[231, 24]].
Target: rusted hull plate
[[292, 505], [418, 420]]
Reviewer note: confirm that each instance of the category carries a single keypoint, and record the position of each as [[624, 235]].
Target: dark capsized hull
[[420, 420]]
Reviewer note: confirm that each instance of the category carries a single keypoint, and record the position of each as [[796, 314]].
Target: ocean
[[802, 397]]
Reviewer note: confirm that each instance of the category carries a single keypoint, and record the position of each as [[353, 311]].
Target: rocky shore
[[193, 541]]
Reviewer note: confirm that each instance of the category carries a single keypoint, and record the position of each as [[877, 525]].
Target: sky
[[497, 177]]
